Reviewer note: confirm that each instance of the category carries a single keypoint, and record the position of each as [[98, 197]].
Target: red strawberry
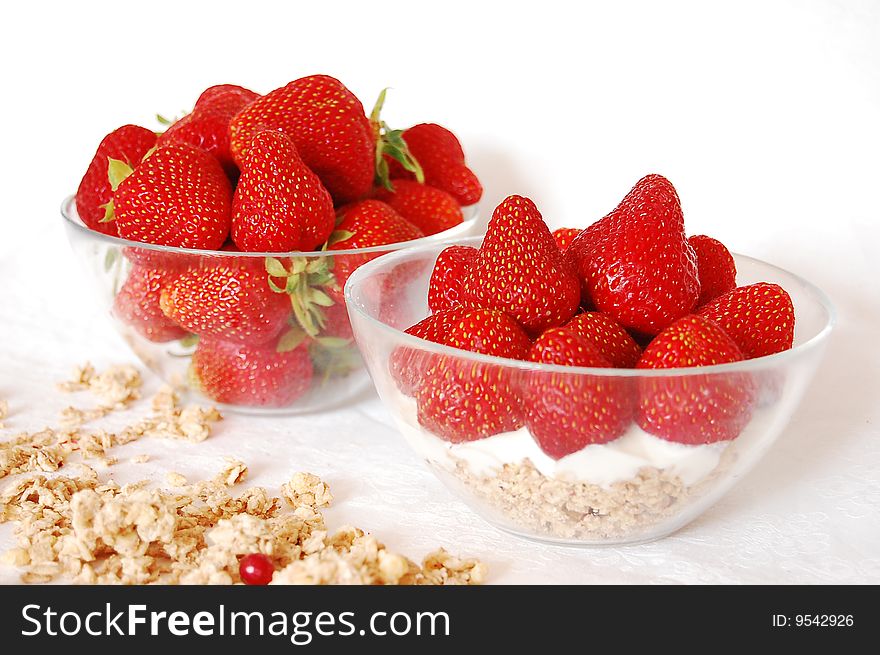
[[694, 408], [715, 267], [429, 209], [759, 318], [207, 127], [636, 263], [440, 156], [230, 300], [564, 236], [607, 335], [447, 278], [520, 271], [366, 224], [566, 412], [252, 375], [178, 196], [137, 305], [279, 205], [480, 331], [328, 125], [128, 144]]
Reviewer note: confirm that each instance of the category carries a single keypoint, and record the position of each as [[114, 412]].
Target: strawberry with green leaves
[[327, 123], [758, 317], [636, 263], [694, 408], [565, 412], [450, 270], [429, 209], [273, 374], [715, 268], [127, 144], [608, 336], [366, 224], [177, 196], [229, 299], [438, 153], [519, 270], [207, 127], [280, 205], [137, 304]]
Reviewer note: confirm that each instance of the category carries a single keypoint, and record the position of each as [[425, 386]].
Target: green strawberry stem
[[333, 357], [117, 170], [303, 280], [390, 142]]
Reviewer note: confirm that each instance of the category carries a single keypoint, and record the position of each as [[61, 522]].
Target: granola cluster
[[521, 497], [98, 532]]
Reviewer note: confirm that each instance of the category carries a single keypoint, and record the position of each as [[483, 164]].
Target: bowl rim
[[471, 216], [747, 365]]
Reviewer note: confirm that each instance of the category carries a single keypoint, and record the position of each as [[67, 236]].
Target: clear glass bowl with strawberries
[[604, 392], [221, 246]]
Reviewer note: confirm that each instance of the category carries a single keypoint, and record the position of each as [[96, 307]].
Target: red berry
[[256, 569], [252, 375], [128, 144], [636, 263], [758, 317], [520, 271], [178, 196], [439, 153], [694, 408], [207, 127], [280, 205], [228, 299], [715, 267], [137, 305], [447, 278], [327, 123], [566, 412], [564, 236], [615, 343], [429, 209]]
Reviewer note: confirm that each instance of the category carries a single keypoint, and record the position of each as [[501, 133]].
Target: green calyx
[[117, 170], [334, 357], [303, 280], [390, 142]]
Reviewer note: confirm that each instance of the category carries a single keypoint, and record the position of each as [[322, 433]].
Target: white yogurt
[[600, 464]]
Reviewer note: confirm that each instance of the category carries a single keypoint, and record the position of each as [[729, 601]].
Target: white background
[[765, 115]]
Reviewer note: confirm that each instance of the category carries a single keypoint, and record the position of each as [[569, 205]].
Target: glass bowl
[[637, 487], [326, 370]]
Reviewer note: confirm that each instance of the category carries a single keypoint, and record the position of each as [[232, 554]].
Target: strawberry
[[520, 271], [566, 412], [636, 263], [612, 341], [447, 278], [178, 196], [253, 375], [429, 209], [328, 125], [207, 127], [128, 144], [366, 224], [694, 408], [280, 205], [564, 236], [230, 300], [137, 305], [440, 156], [715, 268], [758, 317], [480, 331]]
